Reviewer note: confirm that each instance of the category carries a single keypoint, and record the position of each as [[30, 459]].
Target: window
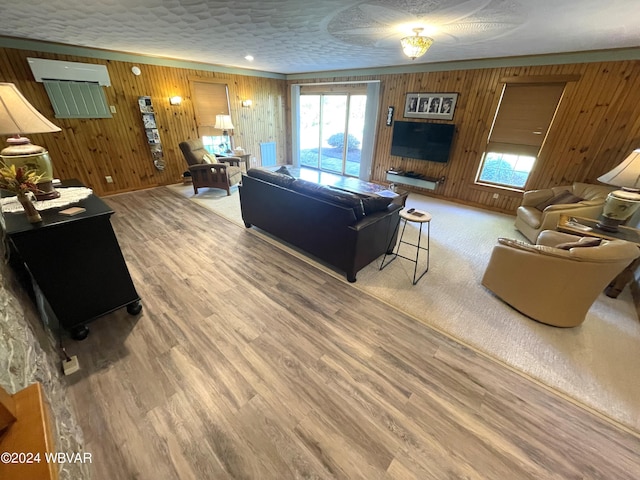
[[520, 126], [210, 99]]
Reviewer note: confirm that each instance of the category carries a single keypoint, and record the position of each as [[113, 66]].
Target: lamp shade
[[416, 45], [627, 174], [223, 122], [18, 116]]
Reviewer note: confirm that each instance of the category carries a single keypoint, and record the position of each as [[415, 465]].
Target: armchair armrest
[[233, 161], [203, 167]]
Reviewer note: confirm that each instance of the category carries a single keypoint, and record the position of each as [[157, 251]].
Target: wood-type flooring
[[249, 363]]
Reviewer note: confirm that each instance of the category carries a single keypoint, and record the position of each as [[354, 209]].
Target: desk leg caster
[[79, 332], [134, 308]]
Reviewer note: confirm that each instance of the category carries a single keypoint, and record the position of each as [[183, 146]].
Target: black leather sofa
[[345, 230]]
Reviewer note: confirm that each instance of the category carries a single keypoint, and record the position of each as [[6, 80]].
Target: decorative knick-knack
[[29, 209]]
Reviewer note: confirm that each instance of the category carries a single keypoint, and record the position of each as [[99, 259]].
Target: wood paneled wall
[[90, 149], [596, 126]]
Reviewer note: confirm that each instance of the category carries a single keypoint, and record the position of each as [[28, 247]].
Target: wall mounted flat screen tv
[[424, 141]]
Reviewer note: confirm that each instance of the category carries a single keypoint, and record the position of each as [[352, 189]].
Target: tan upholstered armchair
[[541, 209], [553, 285], [223, 174]]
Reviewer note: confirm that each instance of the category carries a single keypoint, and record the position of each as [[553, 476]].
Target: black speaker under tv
[[421, 140]]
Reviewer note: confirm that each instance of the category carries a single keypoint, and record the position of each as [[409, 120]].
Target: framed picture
[[430, 105], [149, 120]]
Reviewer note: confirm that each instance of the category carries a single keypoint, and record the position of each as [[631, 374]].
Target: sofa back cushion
[[591, 192], [561, 198], [271, 177], [328, 194]]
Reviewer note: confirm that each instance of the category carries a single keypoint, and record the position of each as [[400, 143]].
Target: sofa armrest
[[375, 217]]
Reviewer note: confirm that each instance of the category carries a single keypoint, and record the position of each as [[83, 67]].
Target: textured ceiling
[[294, 36]]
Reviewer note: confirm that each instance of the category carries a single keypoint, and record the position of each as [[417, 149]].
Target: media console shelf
[[428, 183]]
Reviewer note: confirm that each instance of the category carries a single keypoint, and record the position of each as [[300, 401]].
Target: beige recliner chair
[[222, 174], [553, 285], [541, 209]]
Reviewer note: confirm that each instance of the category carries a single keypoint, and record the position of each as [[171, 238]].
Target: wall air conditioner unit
[[58, 70]]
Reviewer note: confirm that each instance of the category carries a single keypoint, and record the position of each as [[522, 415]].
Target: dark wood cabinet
[[75, 262]]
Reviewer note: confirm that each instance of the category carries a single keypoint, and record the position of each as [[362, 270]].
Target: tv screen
[[424, 141]]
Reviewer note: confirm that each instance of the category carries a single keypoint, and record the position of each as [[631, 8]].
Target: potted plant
[[21, 181]]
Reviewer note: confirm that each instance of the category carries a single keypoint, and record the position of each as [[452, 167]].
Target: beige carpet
[[596, 364]]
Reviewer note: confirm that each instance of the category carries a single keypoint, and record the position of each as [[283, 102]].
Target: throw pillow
[[208, 158], [563, 197], [540, 249], [271, 177], [375, 204], [583, 242], [284, 171]]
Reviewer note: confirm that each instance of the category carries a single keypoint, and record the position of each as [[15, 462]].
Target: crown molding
[[524, 61], [531, 60], [63, 49]]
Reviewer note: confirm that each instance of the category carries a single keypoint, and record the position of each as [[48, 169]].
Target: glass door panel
[[355, 132], [310, 131], [334, 109], [331, 132]]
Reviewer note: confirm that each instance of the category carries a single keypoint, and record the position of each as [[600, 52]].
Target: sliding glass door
[[331, 131]]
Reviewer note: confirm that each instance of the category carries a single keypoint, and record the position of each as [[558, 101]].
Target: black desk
[[75, 262]]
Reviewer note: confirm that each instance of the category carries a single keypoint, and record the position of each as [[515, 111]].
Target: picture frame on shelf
[[149, 120], [440, 106]]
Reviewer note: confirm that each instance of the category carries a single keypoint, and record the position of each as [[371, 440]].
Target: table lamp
[[620, 205], [18, 117], [223, 122]]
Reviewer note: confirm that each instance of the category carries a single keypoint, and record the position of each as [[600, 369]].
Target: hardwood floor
[[247, 363]]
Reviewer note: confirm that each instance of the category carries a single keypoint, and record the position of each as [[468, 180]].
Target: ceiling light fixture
[[249, 58], [416, 46]]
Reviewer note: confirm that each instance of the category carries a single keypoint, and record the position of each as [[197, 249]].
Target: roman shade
[[209, 99], [524, 116]]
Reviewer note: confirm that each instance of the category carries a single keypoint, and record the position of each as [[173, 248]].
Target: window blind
[[209, 99], [524, 115]]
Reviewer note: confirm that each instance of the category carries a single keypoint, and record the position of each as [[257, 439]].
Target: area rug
[[595, 364]]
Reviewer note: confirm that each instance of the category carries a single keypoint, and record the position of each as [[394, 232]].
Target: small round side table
[[417, 216]]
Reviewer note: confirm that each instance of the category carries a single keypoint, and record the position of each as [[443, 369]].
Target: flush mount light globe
[[416, 45], [136, 71]]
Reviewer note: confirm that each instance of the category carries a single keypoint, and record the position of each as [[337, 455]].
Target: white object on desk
[[68, 196]]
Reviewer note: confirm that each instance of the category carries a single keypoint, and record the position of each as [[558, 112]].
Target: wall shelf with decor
[[414, 179], [151, 131]]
